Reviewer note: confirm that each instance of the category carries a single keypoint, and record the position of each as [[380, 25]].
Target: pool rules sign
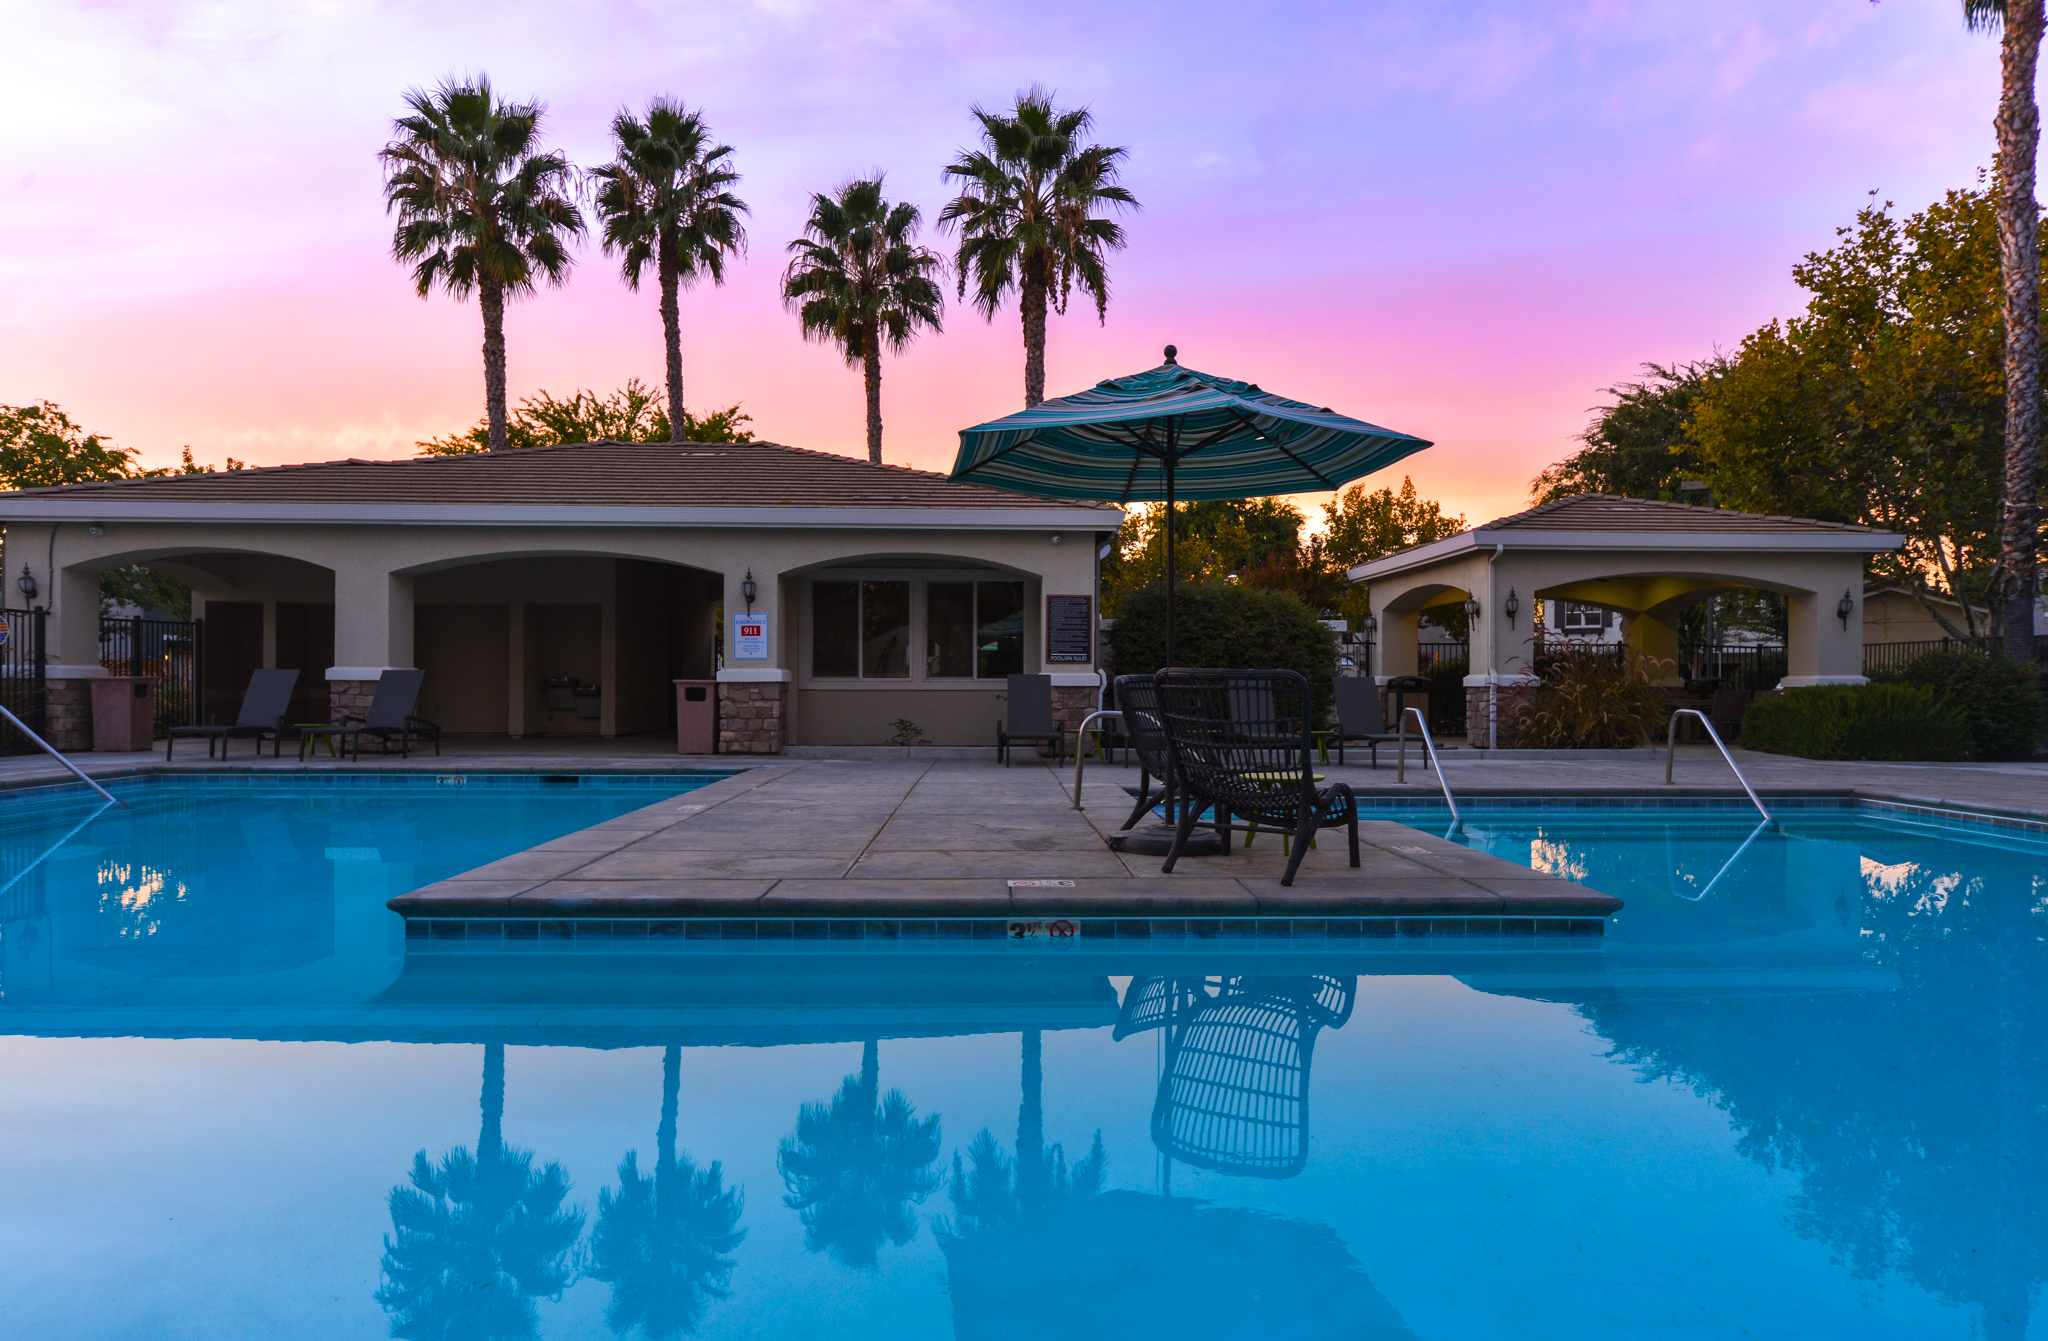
[[750, 637], [1069, 630]]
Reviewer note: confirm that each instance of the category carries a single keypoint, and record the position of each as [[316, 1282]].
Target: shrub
[[1228, 627], [1594, 700], [1868, 721], [2001, 697]]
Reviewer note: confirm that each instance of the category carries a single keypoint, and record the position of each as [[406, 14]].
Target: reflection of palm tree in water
[[664, 1243], [992, 1190], [1233, 1091], [477, 1237], [855, 1166]]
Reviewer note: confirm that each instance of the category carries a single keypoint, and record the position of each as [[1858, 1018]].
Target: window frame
[[920, 580]]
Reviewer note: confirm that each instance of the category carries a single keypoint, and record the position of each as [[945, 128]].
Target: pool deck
[[962, 846]]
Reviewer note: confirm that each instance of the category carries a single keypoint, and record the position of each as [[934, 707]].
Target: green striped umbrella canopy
[[1171, 433]]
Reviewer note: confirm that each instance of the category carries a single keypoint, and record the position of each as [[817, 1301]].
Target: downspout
[[1492, 654]]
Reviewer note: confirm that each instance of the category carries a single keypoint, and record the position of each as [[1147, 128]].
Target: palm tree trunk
[[871, 369], [870, 1069], [671, 1086], [1032, 302], [672, 341], [2019, 255], [491, 298], [1031, 1122], [491, 1140]]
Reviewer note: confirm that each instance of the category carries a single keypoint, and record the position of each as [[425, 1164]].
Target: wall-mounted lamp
[[95, 529], [1372, 625], [27, 583], [1845, 608], [1471, 607], [1511, 607], [747, 590]]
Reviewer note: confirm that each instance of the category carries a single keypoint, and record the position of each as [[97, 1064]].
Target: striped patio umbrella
[[1172, 433]]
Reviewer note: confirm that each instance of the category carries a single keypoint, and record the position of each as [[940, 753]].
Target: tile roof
[[582, 474], [1612, 512]]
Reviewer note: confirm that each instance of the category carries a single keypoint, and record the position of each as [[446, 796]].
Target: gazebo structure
[[1647, 560]]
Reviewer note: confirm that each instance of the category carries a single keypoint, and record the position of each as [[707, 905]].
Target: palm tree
[[479, 207], [477, 1237], [664, 1243], [855, 1167], [858, 279], [1027, 214], [2019, 255], [665, 201]]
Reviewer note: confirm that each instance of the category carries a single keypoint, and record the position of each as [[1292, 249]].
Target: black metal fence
[[1430, 655], [165, 649], [1891, 656], [21, 675]]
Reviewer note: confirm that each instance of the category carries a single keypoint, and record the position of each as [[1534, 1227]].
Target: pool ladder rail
[[1428, 748], [51, 750], [1671, 754]]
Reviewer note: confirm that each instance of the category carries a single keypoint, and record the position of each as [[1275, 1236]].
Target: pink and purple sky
[[1460, 222]]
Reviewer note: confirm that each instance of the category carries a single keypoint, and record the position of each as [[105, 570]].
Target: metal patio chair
[[1361, 717], [1138, 699], [1030, 719], [266, 704], [1242, 745]]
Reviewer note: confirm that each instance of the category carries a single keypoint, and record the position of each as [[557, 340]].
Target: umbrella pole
[[1169, 559]]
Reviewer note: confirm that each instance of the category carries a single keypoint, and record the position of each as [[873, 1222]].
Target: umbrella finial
[[1170, 352]]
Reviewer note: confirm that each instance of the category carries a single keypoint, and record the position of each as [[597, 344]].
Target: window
[[1584, 617], [974, 630], [860, 629]]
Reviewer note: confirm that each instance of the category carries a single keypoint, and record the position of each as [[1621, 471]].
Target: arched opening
[[542, 643]]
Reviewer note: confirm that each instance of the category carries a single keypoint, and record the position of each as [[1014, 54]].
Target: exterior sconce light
[[27, 583], [1372, 625], [1846, 608], [1511, 607], [747, 590], [95, 529], [1471, 607]]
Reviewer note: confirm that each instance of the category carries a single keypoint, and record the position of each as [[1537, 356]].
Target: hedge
[[1870, 721], [1227, 626], [2000, 696]]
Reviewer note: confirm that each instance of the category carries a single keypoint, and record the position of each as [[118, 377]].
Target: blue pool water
[[1809, 1102]]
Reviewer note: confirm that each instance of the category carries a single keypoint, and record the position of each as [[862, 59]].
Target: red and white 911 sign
[[749, 638]]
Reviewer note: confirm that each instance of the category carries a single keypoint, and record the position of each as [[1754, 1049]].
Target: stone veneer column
[[67, 714], [1511, 695], [751, 716], [349, 698], [1072, 702]]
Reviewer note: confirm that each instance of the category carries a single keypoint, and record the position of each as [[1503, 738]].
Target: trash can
[[696, 717], [123, 713]]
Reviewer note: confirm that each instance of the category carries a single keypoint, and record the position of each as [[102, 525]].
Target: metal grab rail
[[1080, 739], [1671, 753], [1428, 748], [51, 750]]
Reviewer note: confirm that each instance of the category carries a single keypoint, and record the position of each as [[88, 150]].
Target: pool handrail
[[1081, 740], [1428, 748], [51, 750], [1671, 752]]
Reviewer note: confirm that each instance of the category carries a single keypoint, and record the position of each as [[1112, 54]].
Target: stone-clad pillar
[[753, 711]]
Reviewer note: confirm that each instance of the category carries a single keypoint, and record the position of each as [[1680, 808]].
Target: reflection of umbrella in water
[[1233, 1094], [1171, 433]]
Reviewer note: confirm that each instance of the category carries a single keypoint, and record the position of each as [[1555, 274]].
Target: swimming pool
[[1811, 1101]]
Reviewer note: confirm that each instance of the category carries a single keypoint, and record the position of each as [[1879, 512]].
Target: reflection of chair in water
[[1234, 1093]]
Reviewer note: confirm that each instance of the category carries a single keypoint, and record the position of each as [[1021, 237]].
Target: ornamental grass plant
[[1590, 698]]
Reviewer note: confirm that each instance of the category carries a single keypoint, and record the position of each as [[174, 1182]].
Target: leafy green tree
[[41, 446], [477, 1237], [481, 207], [1636, 447], [1363, 526], [1224, 624], [629, 414], [2018, 124], [664, 1244], [666, 201], [1214, 541], [1877, 405], [855, 1167], [858, 279], [1029, 215]]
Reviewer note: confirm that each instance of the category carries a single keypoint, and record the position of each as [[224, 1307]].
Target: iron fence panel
[[165, 649], [22, 686]]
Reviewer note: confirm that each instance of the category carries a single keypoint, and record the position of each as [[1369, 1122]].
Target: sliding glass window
[[974, 630], [860, 629]]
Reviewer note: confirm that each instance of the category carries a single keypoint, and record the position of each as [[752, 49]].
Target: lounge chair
[[1138, 699], [390, 716], [1030, 701], [1258, 770], [265, 705], [1360, 715]]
